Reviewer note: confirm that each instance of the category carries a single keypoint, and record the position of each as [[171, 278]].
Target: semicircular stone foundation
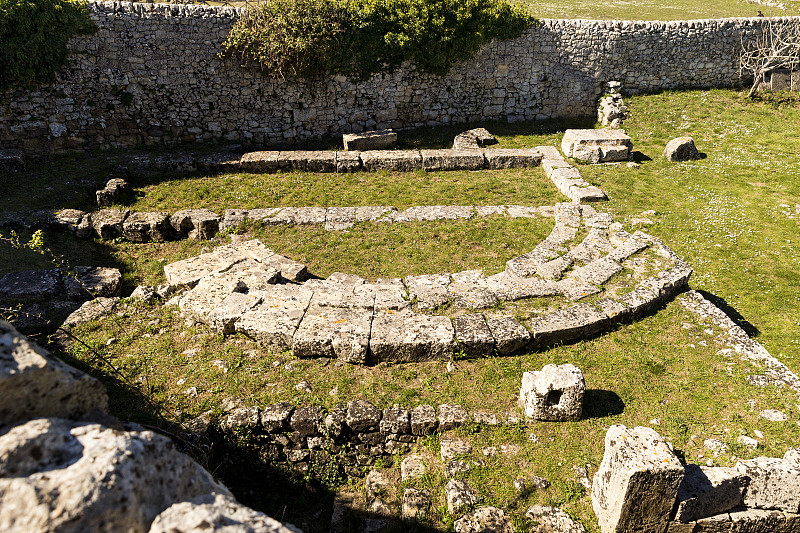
[[586, 276]]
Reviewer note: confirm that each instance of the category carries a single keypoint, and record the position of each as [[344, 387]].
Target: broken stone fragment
[[369, 140], [411, 467], [681, 149], [484, 520], [553, 393], [196, 223], [423, 420], [452, 416], [459, 494], [707, 491], [415, 504], [91, 310], [774, 484], [115, 191]]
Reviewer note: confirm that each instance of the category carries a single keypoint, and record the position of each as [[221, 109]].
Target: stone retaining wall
[[151, 75]]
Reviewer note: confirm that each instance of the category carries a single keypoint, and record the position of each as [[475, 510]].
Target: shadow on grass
[[732, 313], [599, 403]]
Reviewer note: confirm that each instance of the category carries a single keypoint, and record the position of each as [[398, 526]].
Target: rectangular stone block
[[187, 272], [369, 140], [429, 291], [500, 158], [274, 322], [340, 218], [402, 338], [564, 325], [210, 292], [391, 160], [591, 193], [308, 160], [637, 482], [224, 316], [266, 161], [596, 146], [707, 491], [597, 272], [774, 484], [509, 335], [333, 294], [473, 336], [509, 287], [348, 161], [433, 160], [336, 333], [549, 152]]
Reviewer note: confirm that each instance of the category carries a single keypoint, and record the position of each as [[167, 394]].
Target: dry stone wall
[[151, 75]]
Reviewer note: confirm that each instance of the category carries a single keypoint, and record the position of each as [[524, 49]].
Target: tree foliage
[[359, 37], [33, 38]]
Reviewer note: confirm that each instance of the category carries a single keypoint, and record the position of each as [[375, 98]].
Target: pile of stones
[[250, 289], [611, 109]]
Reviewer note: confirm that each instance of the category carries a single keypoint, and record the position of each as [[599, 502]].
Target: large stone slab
[[369, 140], [147, 226], [509, 335], [553, 393], [597, 146], [433, 160], [637, 482], [348, 161], [198, 303], [597, 272], [66, 476], [266, 161], [391, 160], [274, 322], [500, 158], [564, 325], [509, 287], [473, 335], [196, 223], [36, 384], [308, 160], [429, 291], [224, 316], [334, 333], [404, 338], [107, 223], [707, 491], [340, 218], [774, 483], [86, 282]]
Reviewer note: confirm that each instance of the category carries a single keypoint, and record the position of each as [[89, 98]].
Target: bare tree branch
[[776, 47]]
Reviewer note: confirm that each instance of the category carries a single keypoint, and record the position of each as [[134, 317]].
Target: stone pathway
[[248, 288]]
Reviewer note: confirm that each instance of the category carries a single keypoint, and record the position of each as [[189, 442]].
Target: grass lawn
[[733, 216]]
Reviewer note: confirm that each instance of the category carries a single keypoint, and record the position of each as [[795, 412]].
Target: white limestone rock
[[681, 149], [484, 520], [707, 491], [553, 393], [774, 484]]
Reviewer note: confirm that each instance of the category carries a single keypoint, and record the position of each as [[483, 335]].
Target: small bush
[[359, 37], [33, 38]]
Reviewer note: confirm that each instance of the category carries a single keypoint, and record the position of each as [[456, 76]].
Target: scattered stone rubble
[[248, 288], [642, 486], [597, 146], [66, 464], [611, 109]]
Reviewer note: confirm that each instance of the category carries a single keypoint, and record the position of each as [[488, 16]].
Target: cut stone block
[[210, 292], [348, 161], [387, 297], [266, 161], [774, 484], [508, 287], [115, 190], [707, 491], [636, 485], [549, 152], [232, 219], [509, 335], [274, 322], [681, 149], [553, 270], [308, 161], [452, 448], [146, 227], [224, 316], [90, 282], [331, 332], [471, 296], [340, 218], [433, 160], [404, 338], [196, 223], [742, 520], [254, 276], [415, 504], [31, 285], [11, 160], [369, 140], [412, 466], [597, 146], [436, 212], [219, 162], [395, 421], [373, 212], [392, 160], [91, 310], [627, 248], [575, 290], [597, 272], [423, 420], [430, 291], [107, 223], [551, 165], [332, 294], [275, 417], [187, 272], [473, 335], [564, 325], [452, 416], [568, 214], [554, 393], [586, 194], [290, 270], [525, 265], [36, 384], [500, 158], [362, 416], [459, 494]]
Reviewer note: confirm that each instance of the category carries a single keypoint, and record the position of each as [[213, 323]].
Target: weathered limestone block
[[198, 303], [369, 213], [275, 417], [415, 504], [107, 223], [219, 162], [363, 417], [553, 270], [369, 140], [473, 335], [387, 296], [187, 272], [484, 520], [266, 161], [91, 310], [36, 384], [500, 158], [627, 248], [453, 448], [564, 325], [339, 218], [553, 393], [637, 482], [423, 420], [553, 519], [473, 139], [597, 272], [550, 165], [11, 160], [334, 333], [567, 214], [224, 316], [116, 189], [240, 418], [68, 220], [411, 338], [429, 291], [509, 335], [395, 421], [87, 282], [681, 149], [744, 520], [308, 160], [215, 512], [792, 455], [509, 287], [433, 160], [774, 484], [85, 471], [274, 322], [525, 265], [306, 420], [707, 491], [412, 466], [333, 294], [290, 270], [391, 160], [459, 494], [195, 223], [452, 416], [348, 161], [586, 194], [232, 219], [31, 285], [597, 146], [146, 227]]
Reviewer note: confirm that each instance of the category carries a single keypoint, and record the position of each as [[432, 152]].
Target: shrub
[[359, 37], [33, 38]]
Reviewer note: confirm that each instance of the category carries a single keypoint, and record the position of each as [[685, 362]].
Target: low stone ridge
[[246, 287], [554, 393], [597, 146], [681, 149], [369, 140]]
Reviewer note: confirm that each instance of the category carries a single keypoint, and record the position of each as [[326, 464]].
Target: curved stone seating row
[[248, 288]]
